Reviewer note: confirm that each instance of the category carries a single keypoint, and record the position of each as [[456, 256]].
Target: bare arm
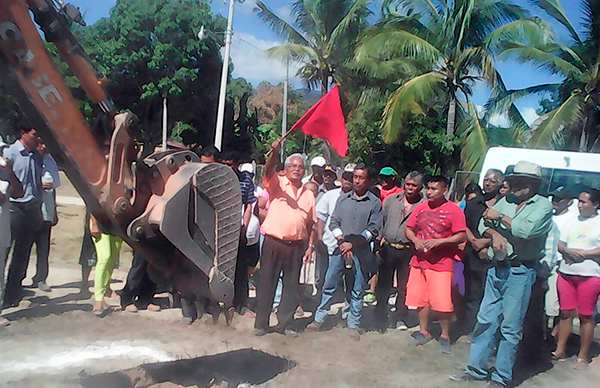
[[412, 237]]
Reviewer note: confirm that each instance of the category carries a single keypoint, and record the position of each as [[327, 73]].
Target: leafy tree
[[571, 116], [320, 38], [149, 49], [439, 50]]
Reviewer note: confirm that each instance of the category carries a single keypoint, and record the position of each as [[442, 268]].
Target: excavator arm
[[183, 216]]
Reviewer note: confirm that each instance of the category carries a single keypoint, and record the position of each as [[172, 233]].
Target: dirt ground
[[55, 341]]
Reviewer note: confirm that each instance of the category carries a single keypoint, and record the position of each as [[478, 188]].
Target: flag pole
[[288, 133]]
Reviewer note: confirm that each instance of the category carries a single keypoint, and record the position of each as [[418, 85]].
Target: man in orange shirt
[[289, 239]]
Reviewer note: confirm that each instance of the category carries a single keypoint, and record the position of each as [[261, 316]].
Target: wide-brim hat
[[524, 169]]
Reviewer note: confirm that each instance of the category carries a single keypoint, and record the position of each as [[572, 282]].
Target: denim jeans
[[332, 278], [504, 305]]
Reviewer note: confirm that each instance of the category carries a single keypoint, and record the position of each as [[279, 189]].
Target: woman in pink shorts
[[579, 275]]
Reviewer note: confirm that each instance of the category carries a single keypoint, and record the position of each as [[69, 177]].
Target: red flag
[[325, 120]]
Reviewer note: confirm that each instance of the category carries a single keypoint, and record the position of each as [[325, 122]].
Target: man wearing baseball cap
[[317, 164], [329, 177], [387, 176], [516, 227]]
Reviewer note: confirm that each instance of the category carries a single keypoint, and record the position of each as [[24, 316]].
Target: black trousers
[[139, 289], [394, 260], [278, 256], [42, 244], [25, 222], [532, 347], [247, 258], [475, 287]]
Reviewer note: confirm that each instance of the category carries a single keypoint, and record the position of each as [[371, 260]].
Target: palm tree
[[450, 44], [322, 35], [575, 119]]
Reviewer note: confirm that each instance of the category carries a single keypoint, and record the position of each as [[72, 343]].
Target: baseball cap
[[318, 161], [350, 167], [247, 167], [388, 171], [561, 193], [329, 169]]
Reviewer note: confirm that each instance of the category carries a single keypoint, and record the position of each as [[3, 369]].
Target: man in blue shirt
[[26, 211]]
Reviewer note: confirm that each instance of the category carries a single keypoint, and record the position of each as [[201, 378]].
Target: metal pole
[[285, 105], [224, 74], [164, 125]]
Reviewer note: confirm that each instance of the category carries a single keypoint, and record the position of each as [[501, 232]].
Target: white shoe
[[400, 325]]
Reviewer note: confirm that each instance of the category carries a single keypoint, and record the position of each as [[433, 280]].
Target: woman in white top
[[579, 275]]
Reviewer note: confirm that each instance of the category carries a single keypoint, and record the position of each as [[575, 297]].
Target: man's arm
[[455, 239], [371, 232], [15, 187], [536, 224], [272, 161], [411, 235]]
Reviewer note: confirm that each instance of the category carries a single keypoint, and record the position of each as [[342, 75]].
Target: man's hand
[[47, 185], [462, 246], [491, 214], [348, 255], [308, 255], [419, 245], [429, 245], [483, 254], [576, 255], [480, 243], [499, 243], [346, 247], [276, 145]]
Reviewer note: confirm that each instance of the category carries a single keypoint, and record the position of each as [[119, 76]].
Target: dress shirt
[[325, 208], [356, 216], [395, 218], [27, 166]]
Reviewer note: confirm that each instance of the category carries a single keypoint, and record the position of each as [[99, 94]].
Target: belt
[[287, 242], [27, 205], [400, 246], [510, 263]]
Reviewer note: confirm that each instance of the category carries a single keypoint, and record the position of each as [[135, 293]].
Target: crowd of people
[[504, 266]]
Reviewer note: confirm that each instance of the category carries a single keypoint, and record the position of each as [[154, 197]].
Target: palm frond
[[295, 52], [555, 9], [474, 138], [345, 23], [481, 60], [591, 23], [390, 43], [280, 26], [501, 101], [415, 6], [384, 69], [409, 99], [548, 128], [489, 15], [541, 58], [531, 31]]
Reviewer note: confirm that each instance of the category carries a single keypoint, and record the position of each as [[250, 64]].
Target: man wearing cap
[[26, 211], [317, 164], [387, 176], [329, 177], [396, 250], [289, 239], [517, 227], [9, 186]]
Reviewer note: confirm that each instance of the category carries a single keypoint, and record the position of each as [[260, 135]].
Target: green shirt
[[530, 227]]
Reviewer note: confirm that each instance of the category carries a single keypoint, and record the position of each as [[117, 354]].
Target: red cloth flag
[[325, 120]]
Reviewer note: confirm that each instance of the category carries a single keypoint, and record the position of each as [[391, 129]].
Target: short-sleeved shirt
[[246, 187], [581, 233], [50, 174], [290, 209], [27, 166], [396, 213], [5, 236], [434, 223]]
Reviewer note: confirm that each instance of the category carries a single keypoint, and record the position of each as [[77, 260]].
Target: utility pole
[[285, 105], [224, 74], [164, 124]]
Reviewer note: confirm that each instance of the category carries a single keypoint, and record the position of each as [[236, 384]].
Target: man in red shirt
[[435, 228], [387, 176]]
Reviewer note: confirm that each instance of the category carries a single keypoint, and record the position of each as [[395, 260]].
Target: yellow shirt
[[290, 209]]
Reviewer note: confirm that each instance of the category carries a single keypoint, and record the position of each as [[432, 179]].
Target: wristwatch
[[500, 217], [312, 246]]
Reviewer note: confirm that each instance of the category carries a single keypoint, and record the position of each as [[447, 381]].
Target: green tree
[[571, 117], [321, 37], [438, 50], [149, 49]]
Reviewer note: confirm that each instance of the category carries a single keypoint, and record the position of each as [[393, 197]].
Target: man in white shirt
[[317, 164], [50, 181], [9, 186]]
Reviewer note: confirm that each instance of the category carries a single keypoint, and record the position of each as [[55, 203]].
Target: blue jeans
[[332, 278], [504, 304]]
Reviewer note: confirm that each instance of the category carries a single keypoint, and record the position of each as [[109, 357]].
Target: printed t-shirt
[[431, 224], [581, 233], [383, 193]]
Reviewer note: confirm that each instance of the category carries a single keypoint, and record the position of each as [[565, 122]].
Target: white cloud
[[529, 114], [500, 120], [245, 8], [251, 62], [285, 13]]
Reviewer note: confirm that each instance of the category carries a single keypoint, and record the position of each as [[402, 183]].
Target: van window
[[573, 179]]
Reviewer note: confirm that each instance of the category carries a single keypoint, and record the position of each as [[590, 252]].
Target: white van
[[576, 170]]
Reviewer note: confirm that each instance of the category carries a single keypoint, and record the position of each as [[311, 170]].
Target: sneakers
[[43, 286], [495, 384], [153, 307], [370, 298], [259, 332], [187, 320], [463, 377], [354, 334], [400, 325], [420, 339], [444, 345], [131, 308], [4, 322], [290, 333]]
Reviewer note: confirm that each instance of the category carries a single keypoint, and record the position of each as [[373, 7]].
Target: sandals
[[581, 364], [558, 356]]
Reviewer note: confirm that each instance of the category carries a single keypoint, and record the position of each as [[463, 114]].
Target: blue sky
[[251, 35]]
